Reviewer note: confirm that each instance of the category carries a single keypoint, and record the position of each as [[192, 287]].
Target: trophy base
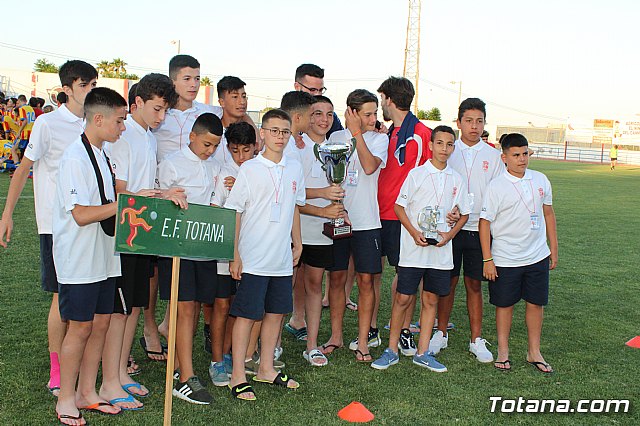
[[336, 232], [432, 241]]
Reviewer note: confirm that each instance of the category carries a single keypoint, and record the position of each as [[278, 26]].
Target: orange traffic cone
[[356, 413], [634, 343]]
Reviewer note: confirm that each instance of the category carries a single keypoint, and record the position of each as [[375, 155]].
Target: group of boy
[[17, 119], [173, 147]]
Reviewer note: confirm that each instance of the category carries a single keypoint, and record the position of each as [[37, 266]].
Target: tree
[[115, 69], [42, 65], [205, 81], [433, 114]]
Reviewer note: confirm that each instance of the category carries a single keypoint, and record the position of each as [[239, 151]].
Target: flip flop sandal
[[238, 390], [352, 306], [298, 333], [143, 344], [330, 346], [539, 364], [503, 365], [129, 398], [281, 380], [137, 386], [363, 357], [95, 408], [133, 369], [70, 417], [315, 355]]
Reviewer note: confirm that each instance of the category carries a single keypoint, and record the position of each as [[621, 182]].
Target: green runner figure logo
[[134, 221]]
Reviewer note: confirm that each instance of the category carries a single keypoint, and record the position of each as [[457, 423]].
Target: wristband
[[487, 260], [356, 133]]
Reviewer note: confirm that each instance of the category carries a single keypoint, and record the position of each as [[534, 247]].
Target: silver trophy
[[428, 219], [334, 157]]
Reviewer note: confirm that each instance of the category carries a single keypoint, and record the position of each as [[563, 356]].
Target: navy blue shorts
[[198, 280], [48, 278], [258, 295], [530, 283], [80, 302], [226, 287], [318, 256], [132, 288], [366, 249], [390, 236], [434, 281], [468, 252]]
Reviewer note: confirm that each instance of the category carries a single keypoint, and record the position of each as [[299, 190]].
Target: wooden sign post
[[158, 227]]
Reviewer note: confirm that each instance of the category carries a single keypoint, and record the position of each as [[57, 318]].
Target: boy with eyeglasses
[[310, 78]]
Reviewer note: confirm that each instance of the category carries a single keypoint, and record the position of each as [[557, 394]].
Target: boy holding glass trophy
[[426, 254]]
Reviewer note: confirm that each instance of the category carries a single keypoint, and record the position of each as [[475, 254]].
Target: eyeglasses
[[275, 132], [313, 90]]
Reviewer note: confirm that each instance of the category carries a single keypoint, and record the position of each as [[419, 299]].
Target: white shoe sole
[[384, 367], [435, 370], [481, 361], [354, 345], [186, 398], [407, 352]]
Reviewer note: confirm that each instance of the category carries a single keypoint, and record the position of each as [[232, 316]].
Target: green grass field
[[593, 311]]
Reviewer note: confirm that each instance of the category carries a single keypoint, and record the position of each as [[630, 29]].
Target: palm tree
[[42, 65], [104, 67], [119, 66], [205, 81]]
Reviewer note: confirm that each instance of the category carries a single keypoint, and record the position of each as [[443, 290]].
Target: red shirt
[[38, 112], [393, 175]]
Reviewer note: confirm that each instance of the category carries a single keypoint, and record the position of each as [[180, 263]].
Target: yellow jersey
[[28, 115]]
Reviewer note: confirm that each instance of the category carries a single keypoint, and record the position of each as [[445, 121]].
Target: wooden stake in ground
[[173, 318]]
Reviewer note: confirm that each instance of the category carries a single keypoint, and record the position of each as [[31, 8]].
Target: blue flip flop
[[137, 386], [130, 398]]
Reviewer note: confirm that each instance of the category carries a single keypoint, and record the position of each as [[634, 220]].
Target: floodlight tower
[[412, 48]]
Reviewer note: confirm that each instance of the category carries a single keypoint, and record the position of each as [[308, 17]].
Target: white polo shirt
[[426, 186], [222, 154], [221, 195], [82, 254], [133, 156], [510, 204], [265, 237], [174, 131], [314, 177], [361, 198], [292, 150], [52, 133], [478, 165]]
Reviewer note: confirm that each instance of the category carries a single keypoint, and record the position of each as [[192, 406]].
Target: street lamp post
[[459, 83], [177, 43]]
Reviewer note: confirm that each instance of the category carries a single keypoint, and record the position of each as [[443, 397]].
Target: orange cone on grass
[[356, 413], [634, 343]]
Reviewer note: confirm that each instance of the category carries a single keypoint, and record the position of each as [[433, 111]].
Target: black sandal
[[238, 390], [363, 356], [503, 365], [280, 380], [539, 364]]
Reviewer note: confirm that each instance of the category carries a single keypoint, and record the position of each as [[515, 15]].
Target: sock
[[54, 372]]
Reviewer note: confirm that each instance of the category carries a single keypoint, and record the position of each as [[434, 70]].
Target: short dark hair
[[470, 104], [513, 140], [484, 134], [33, 102], [101, 98], [41, 102], [228, 84], [275, 113], [181, 61], [322, 99], [132, 95], [359, 97], [22, 98], [74, 70], [400, 90], [296, 101], [309, 69], [207, 123], [61, 97], [241, 133], [156, 84], [444, 129]]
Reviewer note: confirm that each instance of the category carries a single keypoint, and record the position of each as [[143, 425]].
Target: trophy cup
[[428, 222], [334, 157]]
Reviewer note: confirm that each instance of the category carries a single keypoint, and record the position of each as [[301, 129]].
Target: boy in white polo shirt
[[133, 158], [194, 169], [478, 163], [516, 221], [240, 146], [50, 136], [317, 249], [232, 97], [361, 204], [266, 196], [83, 252], [437, 186]]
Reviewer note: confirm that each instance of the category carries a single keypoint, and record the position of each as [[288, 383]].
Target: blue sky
[[554, 59]]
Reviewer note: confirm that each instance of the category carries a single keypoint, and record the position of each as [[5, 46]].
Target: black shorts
[[390, 236], [132, 288], [197, 280], [318, 256], [613, 159], [530, 283], [226, 287], [468, 252], [435, 281], [80, 302], [365, 247], [48, 278], [258, 295]]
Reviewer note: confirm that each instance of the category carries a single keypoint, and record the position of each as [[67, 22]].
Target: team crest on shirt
[[294, 186], [485, 165], [455, 190], [541, 192]]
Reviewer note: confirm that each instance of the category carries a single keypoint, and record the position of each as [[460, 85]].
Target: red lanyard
[[468, 171], [277, 188], [533, 199], [181, 126], [444, 188]]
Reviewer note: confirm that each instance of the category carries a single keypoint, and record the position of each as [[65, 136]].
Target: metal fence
[[567, 152]]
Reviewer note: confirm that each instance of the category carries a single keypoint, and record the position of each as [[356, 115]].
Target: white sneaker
[[479, 349], [438, 342], [277, 353]]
